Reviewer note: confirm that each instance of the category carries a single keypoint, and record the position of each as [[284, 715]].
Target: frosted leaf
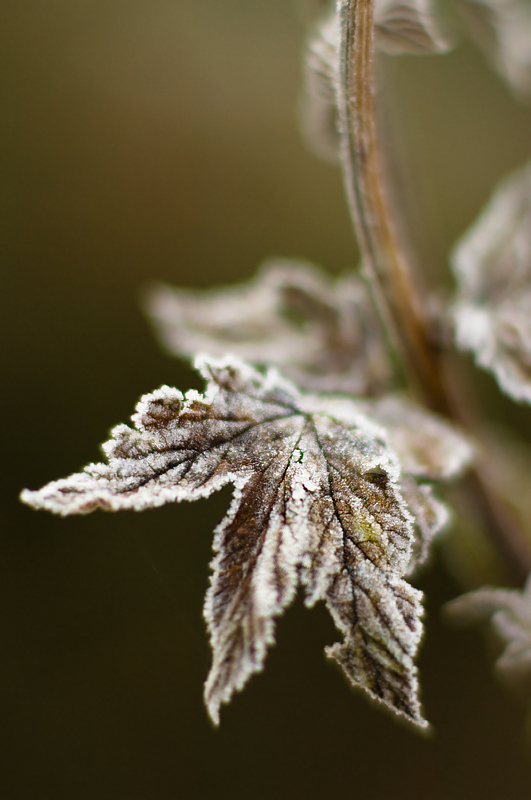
[[502, 29], [316, 501], [324, 335], [510, 615], [492, 264], [401, 26]]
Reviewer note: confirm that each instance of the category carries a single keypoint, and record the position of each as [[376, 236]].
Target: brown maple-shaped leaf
[[322, 334], [317, 503]]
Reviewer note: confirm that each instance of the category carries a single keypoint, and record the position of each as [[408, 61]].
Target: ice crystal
[[324, 335], [317, 502], [492, 264]]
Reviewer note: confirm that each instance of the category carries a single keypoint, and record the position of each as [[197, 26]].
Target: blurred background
[[157, 140]]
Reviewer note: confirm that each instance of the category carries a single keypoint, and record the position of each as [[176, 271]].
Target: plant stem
[[398, 297], [395, 293]]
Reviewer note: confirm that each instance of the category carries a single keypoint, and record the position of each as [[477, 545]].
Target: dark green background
[[156, 139]]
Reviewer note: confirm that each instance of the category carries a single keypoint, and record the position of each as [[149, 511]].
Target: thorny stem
[[397, 296]]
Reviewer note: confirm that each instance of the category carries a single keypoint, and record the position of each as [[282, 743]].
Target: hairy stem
[[398, 297]]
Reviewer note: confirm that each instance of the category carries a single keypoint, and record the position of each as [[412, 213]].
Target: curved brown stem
[[397, 295]]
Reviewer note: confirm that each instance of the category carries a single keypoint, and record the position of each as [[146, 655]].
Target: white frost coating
[[492, 264], [317, 501], [510, 616]]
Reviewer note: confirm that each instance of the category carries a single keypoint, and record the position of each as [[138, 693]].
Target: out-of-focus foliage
[[492, 265], [323, 334], [509, 612]]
